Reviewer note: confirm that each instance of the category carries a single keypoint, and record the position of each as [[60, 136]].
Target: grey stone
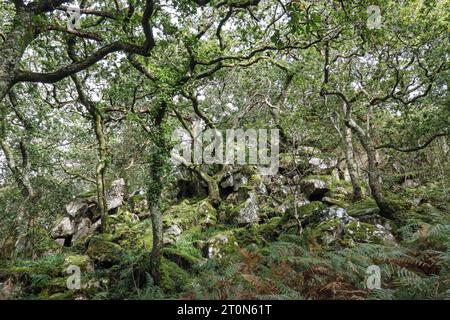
[[82, 229], [172, 234], [249, 213], [63, 229], [80, 206], [115, 195]]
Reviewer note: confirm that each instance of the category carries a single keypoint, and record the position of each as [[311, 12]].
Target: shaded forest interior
[[95, 204]]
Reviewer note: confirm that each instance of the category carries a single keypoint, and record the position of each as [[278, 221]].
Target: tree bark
[[155, 260], [13, 48], [386, 209], [213, 191], [159, 162], [98, 125], [347, 135], [101, 168], [212, 183], [21, 172]]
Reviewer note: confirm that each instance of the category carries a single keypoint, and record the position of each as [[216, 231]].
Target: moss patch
[[187, 214], [181, 258], [104, 253], [173, 278]]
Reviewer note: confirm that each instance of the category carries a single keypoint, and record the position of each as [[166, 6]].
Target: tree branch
[[412, 149]]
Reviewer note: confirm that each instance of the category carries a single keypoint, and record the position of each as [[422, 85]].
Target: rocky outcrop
[[63, 229], [314, 189], [115, 196], [334, 226], [186, 215], [82, 219], [321, 166], [219, 245], [172, 234]]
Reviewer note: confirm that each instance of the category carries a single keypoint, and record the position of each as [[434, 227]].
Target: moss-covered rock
[[289, 220], [288, 162], [315, 188], [247, 212], [328, 232], [310, 208], [363, 207], [50, 265], [248, 235], [84, 262], [334, 202], [180, 257], [188, 214], [271, 229], [104, 253], [356, 231], [335, 231], [221, 244], [173, 278]]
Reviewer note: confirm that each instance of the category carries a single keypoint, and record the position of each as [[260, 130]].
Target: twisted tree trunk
[[386, 209]]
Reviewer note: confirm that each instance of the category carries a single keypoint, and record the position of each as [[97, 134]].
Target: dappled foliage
[[356, 90]]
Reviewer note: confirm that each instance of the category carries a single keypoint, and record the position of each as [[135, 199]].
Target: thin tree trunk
[[347, 133], [386, 209], [374, 182], [98, 125], [101, 168], [21, 174]]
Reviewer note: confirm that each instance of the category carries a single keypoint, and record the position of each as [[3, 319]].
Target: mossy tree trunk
[[159, 163], [385, 207], [346, 133], [98, 125], [349, 151], [12, 49], [212, 182], [213, 191], [155, 258], [18, 161]]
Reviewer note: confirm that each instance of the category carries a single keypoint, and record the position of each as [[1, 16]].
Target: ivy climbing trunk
[[159, 165]]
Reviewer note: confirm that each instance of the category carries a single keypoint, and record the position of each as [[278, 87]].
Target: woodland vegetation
[[359, 97]]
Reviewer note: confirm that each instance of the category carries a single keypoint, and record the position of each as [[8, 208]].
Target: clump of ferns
[[220, 279]]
